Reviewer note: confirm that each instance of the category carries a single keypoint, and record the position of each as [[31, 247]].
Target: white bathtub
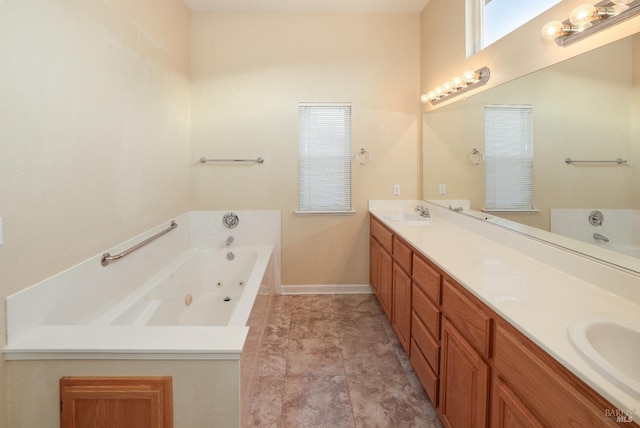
[[620, 226], [178, 297], [203, 287], [159, 311], [624, 248]]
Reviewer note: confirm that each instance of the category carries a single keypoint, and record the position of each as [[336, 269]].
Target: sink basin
[[410, 218], [612, 347]]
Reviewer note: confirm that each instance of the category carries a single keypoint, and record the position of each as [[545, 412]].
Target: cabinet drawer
[[426, 311], [427, 278], [470, 320], [402, 254], [427, 377], [382, 234], [428, 345], [553, 399]]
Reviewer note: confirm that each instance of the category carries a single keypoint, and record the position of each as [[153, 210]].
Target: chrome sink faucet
[[599, 237], [424, 212], [457, 210]]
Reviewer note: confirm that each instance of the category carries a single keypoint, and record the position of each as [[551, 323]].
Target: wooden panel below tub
[[110, 402]]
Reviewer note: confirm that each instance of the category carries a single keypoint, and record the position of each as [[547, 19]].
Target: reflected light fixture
[[587, 19], [458, 85]]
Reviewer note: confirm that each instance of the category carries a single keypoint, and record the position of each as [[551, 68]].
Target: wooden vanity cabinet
[[507, 410], [464, 382], [381, 265], [477, 369], [425, 325], [539, 384], [401, 313], [466, 339], [390, 278], [468, 315], [427, 278]]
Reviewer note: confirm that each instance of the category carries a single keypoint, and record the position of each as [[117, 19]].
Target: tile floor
[[334, 361]]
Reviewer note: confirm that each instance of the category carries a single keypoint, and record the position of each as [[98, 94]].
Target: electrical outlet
[[396, 189], [442, 189]]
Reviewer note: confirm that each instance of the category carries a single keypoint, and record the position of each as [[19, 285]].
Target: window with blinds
[[508, 135], [324, 158]]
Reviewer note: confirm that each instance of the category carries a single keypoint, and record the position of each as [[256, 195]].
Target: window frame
[[496, 190], [341, 165], [476, 19]]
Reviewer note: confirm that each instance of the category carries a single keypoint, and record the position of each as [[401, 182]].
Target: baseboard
[[326, 289]]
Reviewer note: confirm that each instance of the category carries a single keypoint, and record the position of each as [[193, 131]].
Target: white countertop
[[538, 288]]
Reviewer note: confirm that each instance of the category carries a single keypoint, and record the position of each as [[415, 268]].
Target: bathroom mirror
[[586, 108]]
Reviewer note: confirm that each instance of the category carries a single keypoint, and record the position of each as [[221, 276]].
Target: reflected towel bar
[[107, 258], [205, 160], [619, 161]]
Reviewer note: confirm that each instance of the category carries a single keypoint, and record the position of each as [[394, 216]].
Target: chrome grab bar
[[205, 160], [107, 258], [619, 161]]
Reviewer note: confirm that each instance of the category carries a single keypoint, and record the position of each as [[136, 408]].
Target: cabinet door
[[464, 378], [116, 402], [385, 283], [508, 411], [543, 385], [402, 306], [381, 276], [374, 265]]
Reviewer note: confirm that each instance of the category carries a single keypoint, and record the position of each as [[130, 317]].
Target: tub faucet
[[424, 212], [229, 240], [599, 237]]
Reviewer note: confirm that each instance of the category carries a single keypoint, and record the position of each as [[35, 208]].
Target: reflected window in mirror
[[508, 157], [494, 19]]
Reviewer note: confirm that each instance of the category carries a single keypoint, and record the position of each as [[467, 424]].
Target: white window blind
[[324, 158], [508, 142]]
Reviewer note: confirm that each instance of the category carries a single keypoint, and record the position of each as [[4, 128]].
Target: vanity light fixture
[[587, 19], [458, 85]]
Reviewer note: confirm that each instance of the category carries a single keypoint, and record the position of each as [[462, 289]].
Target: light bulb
[[439, 91], [552, 30], [457, 82], [431, 95], [424, 99], [470, 77], [583, 15], [447, 87]]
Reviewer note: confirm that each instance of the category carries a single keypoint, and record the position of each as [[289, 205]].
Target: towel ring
[[363, 157], [476, 157]]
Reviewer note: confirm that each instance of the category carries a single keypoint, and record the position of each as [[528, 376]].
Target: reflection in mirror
[[586, 108]]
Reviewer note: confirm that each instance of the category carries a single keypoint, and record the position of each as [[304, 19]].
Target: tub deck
[[129, 342], [139, 327]]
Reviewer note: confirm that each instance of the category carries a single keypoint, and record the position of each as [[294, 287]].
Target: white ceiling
[[358, 6]]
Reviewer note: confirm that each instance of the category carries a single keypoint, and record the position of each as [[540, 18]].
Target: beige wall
[[250, 71], [94, 113]]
